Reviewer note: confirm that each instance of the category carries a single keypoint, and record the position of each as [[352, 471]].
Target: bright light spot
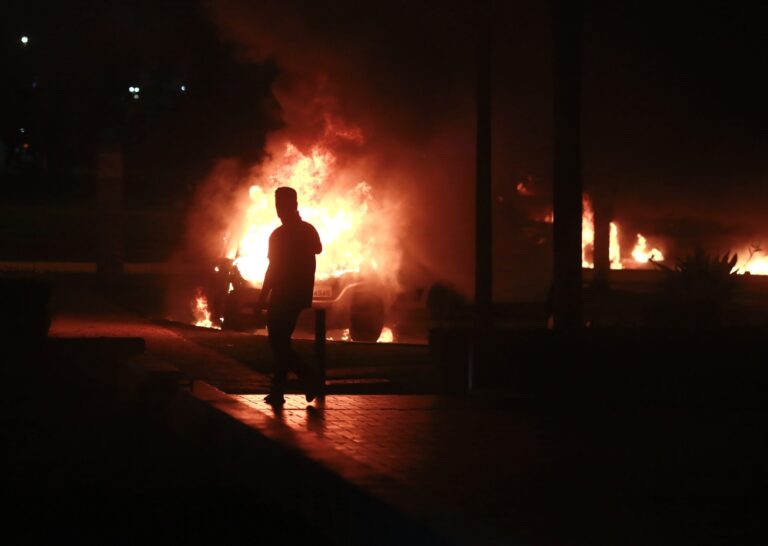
[[183, 87], [137, 89], [25, 40], [22, 130], [386, 336], [216, 269], [522, 189], [132, 89], [136, 96]]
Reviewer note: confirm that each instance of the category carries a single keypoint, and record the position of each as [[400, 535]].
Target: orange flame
[[386, 336], [588, 239], [642, 255], [201, 312], [356, 233], [754, 261]]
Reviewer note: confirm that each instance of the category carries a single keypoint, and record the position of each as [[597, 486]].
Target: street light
[[25, 40]]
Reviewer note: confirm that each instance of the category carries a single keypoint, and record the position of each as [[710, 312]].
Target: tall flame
[[588, 239], [355, 234]]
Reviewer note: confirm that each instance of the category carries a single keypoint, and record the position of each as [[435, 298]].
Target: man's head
[[286, 202]]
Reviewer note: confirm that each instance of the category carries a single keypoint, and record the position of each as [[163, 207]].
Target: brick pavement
[[82, 313], [487, 472]]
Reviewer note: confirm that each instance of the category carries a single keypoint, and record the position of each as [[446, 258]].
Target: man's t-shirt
[[292, 249]]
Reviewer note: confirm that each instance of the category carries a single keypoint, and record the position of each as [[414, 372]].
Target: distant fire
[[386, 336], [588, 239], [753, 260], [640, 253], [343, 337]]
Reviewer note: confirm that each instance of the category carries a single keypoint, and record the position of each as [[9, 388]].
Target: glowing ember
[[354, 232], [522, 189], [201, 312], [386, 336], [642, 255]]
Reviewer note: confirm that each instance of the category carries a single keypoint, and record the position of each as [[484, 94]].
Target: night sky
[[675, 102], [69, 88]]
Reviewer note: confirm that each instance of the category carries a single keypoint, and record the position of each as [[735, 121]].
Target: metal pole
[[320, 332], [602, 246], [567, 190], [483, 212]]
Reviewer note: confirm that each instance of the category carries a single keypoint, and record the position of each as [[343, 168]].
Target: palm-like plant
[[696, 289], [700, 276]]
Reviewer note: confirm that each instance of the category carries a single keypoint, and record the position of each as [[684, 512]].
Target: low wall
[[718, 368]]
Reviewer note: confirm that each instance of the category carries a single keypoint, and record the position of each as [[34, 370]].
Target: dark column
[[320, 334], [110, 203], [567, 166], [483, 217], [601, 204]]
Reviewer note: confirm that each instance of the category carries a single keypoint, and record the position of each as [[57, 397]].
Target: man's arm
[[266, 287], [317, 243]]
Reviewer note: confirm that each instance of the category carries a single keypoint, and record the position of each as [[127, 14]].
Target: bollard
[[320, 341]]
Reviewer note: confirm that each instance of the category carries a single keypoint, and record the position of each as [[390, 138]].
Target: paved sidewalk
[[486, 472], [490, 470], [82, 313]]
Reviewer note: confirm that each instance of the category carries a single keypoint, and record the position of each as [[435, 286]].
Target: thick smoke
[[389, 87]]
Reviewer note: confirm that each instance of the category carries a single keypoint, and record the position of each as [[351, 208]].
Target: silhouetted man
[[287, 289]]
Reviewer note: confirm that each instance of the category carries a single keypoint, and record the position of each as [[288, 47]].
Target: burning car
[[360, 255], [352, 302]]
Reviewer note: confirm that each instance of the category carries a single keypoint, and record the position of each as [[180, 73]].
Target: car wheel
[[366, 317]]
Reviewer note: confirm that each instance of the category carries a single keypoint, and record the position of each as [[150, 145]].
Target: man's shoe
[[274, 399]]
